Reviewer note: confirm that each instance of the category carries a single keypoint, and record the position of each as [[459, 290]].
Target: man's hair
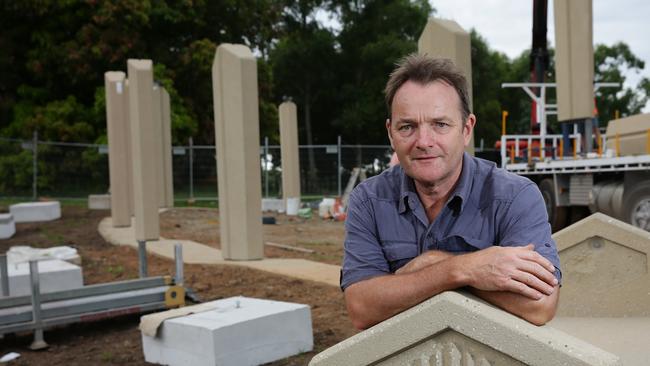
[[424, 69]]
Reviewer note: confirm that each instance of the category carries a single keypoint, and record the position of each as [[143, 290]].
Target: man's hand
[[423, 260], [519, 270]]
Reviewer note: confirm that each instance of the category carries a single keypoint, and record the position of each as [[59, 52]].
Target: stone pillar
[[236, 118], [119, 148], [289, 150], [156, 105], [167, 148], [144, 149], [574, 59], [446, 39]]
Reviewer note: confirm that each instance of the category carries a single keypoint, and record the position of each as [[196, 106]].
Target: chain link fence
[[30, 169]]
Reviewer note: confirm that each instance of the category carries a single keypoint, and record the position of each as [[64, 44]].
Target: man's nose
[[426, 136]]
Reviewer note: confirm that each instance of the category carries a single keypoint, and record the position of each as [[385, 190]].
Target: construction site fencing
[[34, 169]]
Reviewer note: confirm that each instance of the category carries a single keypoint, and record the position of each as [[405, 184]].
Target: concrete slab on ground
[[7, 226], [35, 211], [55, 275], [99, 202], [628, 338], [197, 253], [239, 331]]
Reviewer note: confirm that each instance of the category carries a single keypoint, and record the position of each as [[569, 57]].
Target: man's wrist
[[458, 271]]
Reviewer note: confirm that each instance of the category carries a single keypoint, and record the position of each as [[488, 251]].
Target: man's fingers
[[533, 282], [533, 256], [538, 271], [520, 288]]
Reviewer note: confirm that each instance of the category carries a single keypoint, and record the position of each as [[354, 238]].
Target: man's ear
[[470, 122], [390, 136]]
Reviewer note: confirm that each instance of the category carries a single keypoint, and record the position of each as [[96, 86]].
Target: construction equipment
[[88, 303]]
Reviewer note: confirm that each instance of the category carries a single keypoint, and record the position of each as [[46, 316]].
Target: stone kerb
[[605, 268], [456, 328]]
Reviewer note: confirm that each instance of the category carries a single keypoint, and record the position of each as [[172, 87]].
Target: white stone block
[[7, 226], [99, 202], [54, 275], [240, 331], [273, 204], [36, 211]]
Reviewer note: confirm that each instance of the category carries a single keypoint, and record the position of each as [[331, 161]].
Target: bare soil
[[117, 341]]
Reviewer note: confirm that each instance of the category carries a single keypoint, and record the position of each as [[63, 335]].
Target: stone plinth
[[632, 134], [99, 202], [574, 59], [54, 275], [35, 211], [144, 153], [234, 82], [455, 328], [7, 226], [289, 151], [240, 331], [447, 39], [605, 268], [119, 148]]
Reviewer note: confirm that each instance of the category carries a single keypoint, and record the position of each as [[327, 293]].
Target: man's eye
[[442, 124], [405, 128]]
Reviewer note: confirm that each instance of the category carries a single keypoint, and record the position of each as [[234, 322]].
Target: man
[[442, 219]]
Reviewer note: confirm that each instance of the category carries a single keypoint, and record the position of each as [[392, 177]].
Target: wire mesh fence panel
[[69, 171], [16, 168]]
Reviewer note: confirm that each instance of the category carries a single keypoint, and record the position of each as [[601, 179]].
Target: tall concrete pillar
[[289, 151], [143, 149], [119, 148], [167, 148], [156, 98], [574, 59], [236, 118], [447, 39]]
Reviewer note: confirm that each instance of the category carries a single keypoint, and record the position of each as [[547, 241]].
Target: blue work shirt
[[387, 226]]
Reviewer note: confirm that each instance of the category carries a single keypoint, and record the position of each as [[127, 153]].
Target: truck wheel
[[557, 216], [636, 206]]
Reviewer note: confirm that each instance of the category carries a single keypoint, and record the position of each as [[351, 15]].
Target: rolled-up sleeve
[[363, 256], [526, 222]]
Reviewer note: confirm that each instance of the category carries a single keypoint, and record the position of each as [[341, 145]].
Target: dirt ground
[[117, 341]]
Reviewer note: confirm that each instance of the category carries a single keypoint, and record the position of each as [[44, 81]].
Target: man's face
[[426, 131]]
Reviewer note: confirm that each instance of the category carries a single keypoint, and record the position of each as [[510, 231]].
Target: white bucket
[[293, 204]]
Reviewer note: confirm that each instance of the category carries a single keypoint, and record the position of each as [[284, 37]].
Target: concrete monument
[[455, 328], [605, 268], [143, 149], [119, 148], [446, 38], [234, 83], [289, 151]]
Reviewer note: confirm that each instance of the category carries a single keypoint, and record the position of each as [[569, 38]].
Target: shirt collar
[[462, 190]]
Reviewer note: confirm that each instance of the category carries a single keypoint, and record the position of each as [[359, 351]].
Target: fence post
[[35, 166], [190, 145], [266, 167], [338, 165]]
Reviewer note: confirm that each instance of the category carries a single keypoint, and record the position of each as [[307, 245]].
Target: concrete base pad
[[240, 331], [99, 202], [36, 211], [7, 226], [55, 275], [273, 204]]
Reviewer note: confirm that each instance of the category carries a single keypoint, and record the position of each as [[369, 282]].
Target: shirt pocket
[[398, 253], [462, 244]]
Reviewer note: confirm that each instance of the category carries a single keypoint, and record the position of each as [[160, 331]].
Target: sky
[[507, 25]]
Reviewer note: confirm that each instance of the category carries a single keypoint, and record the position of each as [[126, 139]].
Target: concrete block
[[35, 211], [632, 134], [289, 151], [456, 328], [605, 268], [447, 39], [574, 59], [167, 157], [272, 204], [143, 148], [99, 202], [119, 148], [7, 226], [240, 331], [55, 275], [156, 106], [236, 121]]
